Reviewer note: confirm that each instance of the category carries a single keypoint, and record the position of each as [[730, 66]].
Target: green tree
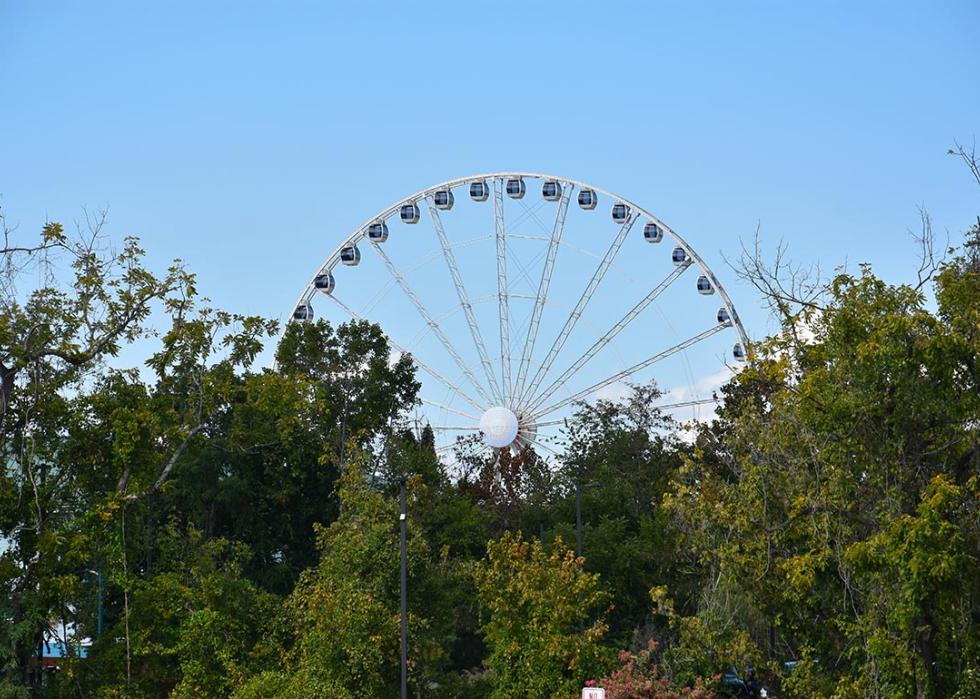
[[198, 628], [54, 342], [832, 507], [534, 602], [344, 613], [627, 452]]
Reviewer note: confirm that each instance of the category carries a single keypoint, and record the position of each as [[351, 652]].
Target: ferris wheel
[[521, 295]]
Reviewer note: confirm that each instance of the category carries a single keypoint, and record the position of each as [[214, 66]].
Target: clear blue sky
[[247, 138]]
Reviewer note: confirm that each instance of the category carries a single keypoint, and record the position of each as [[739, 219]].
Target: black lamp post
[[403, 524], [100, 618]]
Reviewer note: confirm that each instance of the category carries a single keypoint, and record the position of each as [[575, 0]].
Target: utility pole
[[403, 522]]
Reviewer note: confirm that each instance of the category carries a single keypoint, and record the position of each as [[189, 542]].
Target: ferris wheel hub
[[499, 427]]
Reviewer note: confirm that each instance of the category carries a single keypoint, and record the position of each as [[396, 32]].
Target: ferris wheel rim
[[360, 232], [634, 213]]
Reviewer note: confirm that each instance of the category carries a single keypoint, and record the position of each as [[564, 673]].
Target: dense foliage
[[216, 529]]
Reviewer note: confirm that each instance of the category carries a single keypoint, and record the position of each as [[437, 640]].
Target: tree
[[344, 613], [198, 628], [534, 601], [638, 676], [53, 341], [628, 451], [832, 506]]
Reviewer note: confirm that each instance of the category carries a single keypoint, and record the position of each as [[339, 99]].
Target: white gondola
[[705, 286], [409, 213], [551, 190], [587, 199], [325, 282], [350, 255], [723, 316], [443, 199], [515, 188], [679, 255], [378, 232], [479, 191], [620, 212], [304, 311], [738, 352], [653, 233]]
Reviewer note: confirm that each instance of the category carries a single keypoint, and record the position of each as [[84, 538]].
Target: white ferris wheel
[[520, 295]]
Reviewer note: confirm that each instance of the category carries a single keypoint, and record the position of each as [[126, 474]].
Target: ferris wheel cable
[[633, 369], [448, 313], [543, 286], [595, 256], [464, 300], [407, 290], [533, 213], [448, 408], [607, 337], [422, 365], [503, 305], [425, 330], [380, 295], [537, 238], [524, 275], [529, 212], [583, 301]]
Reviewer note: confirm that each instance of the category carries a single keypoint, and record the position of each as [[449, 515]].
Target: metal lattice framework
[[527, 393]]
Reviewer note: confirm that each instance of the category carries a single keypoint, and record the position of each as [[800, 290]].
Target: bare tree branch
[[968, 157], [787, 288], [925, 239]]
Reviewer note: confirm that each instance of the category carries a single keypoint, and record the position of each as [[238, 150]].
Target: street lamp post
[[99, 619], [403, 523]]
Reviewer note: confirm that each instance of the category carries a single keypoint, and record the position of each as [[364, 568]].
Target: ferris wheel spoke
[[503, 304], [543, 287], [539, 445], [453, 428], [427, 317], [550, 423], [661, 408], [422, 365], [449, 409], [632, 370], [687, 403], [605, 339], [583, 301], [464, 299]]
